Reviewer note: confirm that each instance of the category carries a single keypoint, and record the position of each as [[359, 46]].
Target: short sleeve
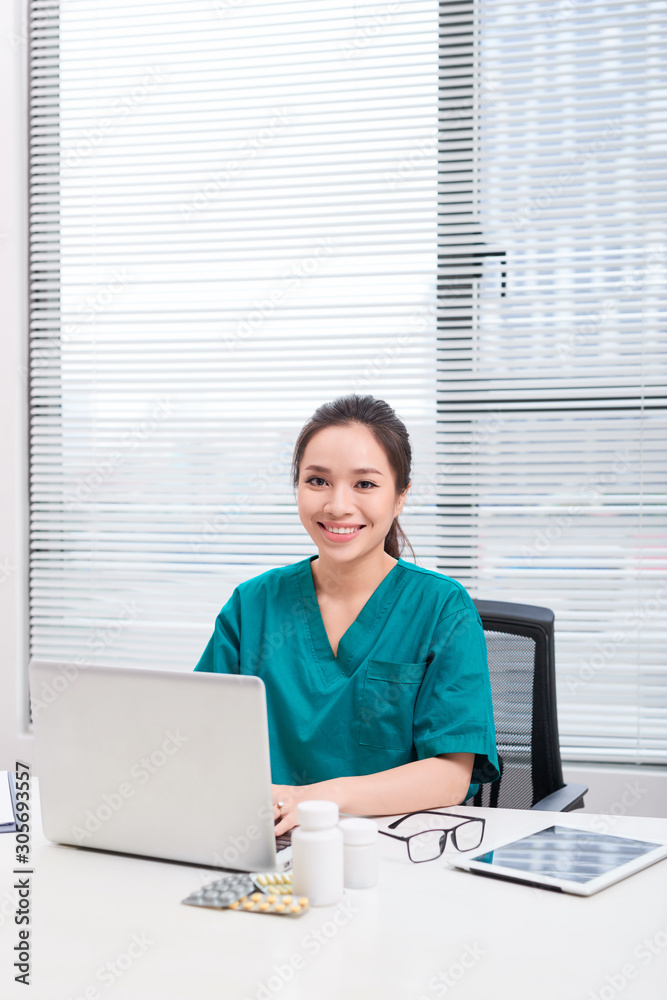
[[454, 710], [222, 653]]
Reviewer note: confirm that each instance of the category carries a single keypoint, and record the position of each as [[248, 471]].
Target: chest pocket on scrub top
[[388, 703]]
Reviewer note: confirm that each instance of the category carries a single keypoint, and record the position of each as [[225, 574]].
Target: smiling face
[[347, 493]]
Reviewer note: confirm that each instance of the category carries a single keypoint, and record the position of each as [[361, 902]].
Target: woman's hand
[[431, 783], [290, 795], [285, 800]]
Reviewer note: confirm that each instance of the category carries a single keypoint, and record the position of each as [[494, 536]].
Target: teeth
[[343, 531]]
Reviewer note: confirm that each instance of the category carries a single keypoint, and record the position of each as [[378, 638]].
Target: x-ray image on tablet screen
[[565, 853]]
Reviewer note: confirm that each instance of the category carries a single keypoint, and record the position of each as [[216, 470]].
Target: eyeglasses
[[427, 845]]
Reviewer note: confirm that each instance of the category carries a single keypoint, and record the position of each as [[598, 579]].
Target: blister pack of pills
[[222, 893], [278, 883], [284, 906], [235, 892]]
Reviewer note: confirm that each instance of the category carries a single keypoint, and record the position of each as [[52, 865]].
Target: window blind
[[233, 219], [551, 343], [239, 210]]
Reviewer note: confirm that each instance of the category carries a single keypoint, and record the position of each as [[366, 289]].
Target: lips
[[338, 524], [339, 536]]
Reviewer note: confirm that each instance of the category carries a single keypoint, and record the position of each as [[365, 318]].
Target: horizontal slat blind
[[237, 212], [552, 348], [233, 220]]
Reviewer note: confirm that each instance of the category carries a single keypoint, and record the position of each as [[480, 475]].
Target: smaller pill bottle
[[317, 853], [360, 852]]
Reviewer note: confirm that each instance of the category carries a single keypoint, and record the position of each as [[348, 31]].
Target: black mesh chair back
[[520, 645]]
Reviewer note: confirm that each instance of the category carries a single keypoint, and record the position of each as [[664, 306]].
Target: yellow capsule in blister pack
[[283, 906], [273, 882], [234, 892]]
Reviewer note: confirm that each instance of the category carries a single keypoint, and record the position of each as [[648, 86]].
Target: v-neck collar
[[356, 642]]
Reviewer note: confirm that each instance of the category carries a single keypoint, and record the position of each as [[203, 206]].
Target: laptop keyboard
[[284, 840]]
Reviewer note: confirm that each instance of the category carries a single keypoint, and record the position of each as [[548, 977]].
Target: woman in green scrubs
[[377, 685]]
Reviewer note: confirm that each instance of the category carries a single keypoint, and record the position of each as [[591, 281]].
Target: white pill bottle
[[360, 852], [317, 853]]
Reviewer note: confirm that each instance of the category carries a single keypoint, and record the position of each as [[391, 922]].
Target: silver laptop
[[156, 763]]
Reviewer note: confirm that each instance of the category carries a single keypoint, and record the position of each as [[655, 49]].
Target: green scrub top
[[410, 679]]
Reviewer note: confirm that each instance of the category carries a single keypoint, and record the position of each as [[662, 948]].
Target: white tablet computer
[[565, 859]]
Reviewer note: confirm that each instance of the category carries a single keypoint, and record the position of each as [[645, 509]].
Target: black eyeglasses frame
[[452, 830]]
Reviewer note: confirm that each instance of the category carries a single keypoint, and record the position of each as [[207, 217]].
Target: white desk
[[426, 931]]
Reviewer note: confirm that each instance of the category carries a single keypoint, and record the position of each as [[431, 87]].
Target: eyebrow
[[357, 472]]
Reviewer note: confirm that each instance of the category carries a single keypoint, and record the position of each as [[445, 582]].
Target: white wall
[[614, 789], [621, 789], [14, 742]]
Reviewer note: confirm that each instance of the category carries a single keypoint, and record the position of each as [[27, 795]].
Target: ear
[[400, 502]]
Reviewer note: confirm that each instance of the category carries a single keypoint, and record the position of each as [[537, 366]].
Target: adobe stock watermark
[[97, 302], [261, 311], [537, 206], [8, 906], [332, 582], [271, 641], [139, 774], [423, 318], [367, 31], [563, 12], [43, 358], [608, 646], [632, 795], [590, 491], [100, 639], [311, 944], [446, 980], [261, 481], [93, 137], [110, 972], [224, 7], [103, 470], [424, 152], [219, 180], [630, 286], [643, 955], [18, 40], [238, 844], [7, 570], [431, 486], [385, 357], [564, 862]]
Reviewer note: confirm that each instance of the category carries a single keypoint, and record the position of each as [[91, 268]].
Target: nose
[[338, 502]]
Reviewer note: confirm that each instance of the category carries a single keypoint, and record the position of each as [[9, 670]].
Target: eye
[[367, 482], [320, 481]]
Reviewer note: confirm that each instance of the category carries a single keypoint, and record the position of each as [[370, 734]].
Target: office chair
[[520, 645]]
